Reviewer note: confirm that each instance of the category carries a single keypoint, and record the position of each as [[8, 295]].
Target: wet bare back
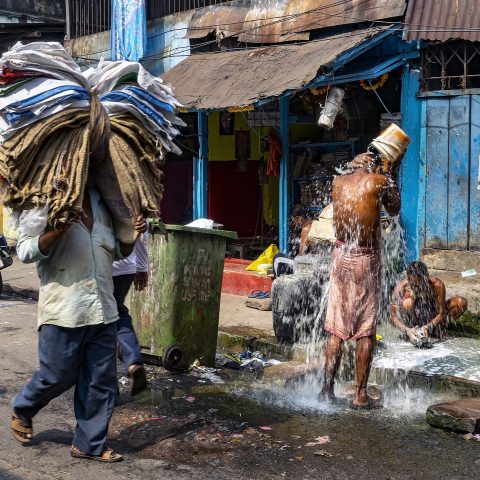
[[357, 201]]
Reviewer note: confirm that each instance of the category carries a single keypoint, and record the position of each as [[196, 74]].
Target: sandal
[[22, 429], [108, 455], [138, 379], [260, 294]]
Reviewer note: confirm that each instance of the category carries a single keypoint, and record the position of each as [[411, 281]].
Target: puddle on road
[[181, 420], [230, 419], [226, 401], [246, 400], [234, 427]]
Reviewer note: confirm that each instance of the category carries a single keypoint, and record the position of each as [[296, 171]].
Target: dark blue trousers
[[83, 357], [126, 334]]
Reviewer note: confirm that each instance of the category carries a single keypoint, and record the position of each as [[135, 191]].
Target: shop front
[[263, 157], [177, 202]]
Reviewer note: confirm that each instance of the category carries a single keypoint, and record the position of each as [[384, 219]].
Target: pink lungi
[[353, 299]]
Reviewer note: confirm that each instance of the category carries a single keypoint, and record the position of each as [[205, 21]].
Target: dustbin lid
[[207, 231]]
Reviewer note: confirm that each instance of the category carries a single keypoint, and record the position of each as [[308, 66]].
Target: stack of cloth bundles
[[58, 124]]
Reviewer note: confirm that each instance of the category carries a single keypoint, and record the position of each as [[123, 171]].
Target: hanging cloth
[[274, 155], [129, 30]]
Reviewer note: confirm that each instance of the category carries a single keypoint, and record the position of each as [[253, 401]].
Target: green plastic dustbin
[[176, 316]]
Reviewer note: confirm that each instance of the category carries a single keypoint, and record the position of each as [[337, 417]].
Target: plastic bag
[[32, 222], [266, 257], [201, 223]]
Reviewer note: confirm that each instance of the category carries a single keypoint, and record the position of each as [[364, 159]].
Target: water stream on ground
[[302, 300], [394, 358]]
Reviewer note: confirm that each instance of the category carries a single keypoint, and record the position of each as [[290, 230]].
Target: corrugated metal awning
[[443, 20], [214, 81], [254, 21], [308, 15]]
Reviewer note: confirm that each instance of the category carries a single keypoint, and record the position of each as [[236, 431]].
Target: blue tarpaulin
[[129, 30]]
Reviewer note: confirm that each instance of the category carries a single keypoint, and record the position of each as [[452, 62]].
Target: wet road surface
[[187, 427]]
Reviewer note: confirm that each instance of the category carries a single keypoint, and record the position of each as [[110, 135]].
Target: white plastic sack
[[32, 222]]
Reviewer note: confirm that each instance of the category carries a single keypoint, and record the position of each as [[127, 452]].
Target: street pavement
[[185, 426], [22, 279], [48, 456]]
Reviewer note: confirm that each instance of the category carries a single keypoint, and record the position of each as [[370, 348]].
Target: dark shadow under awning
[[215, 81]]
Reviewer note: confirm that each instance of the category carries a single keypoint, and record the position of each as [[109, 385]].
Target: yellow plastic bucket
[[391, 143]]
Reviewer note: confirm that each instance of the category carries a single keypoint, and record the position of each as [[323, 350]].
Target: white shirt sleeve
[[141, 253], [28, 250]]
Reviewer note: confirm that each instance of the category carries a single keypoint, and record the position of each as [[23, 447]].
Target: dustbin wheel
[[174, 358]]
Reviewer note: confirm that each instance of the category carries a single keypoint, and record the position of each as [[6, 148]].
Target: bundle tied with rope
[[105, 134]]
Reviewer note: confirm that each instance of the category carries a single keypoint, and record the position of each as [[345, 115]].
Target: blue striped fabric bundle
[[58, 83], [54, 117]]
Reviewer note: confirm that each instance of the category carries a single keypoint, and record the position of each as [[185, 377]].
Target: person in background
[[131, 270], [419, 308], [300, 225]]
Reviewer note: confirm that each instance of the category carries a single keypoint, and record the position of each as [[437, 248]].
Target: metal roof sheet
[[239, 78], [261, 21], [443, 20], [228, 19], [314, 14]]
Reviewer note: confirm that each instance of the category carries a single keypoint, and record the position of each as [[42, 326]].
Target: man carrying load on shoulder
[[77, 315]]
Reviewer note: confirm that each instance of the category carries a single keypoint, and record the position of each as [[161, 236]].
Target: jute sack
[[322, 229]]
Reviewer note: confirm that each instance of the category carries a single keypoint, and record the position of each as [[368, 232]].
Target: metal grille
[[93, 16], [88, 17], [163, 8], [452, 65]]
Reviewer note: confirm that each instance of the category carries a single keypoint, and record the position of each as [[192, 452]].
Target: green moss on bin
[[446, 422]]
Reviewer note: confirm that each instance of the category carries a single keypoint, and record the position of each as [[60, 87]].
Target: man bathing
[[419, 309], [355, 279]]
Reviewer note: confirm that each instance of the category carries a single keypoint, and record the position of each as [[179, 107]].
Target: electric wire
[[324, 7], [283, 18], [186, 51]]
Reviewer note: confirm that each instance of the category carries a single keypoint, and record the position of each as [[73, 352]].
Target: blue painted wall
[[166, 43], [436, 178], [439, 174], [458, 172], [451, 151], [411, 181], [474, 173]]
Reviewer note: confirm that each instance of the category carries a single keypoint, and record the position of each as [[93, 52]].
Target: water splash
[[392, 363], [459, 357], [309, 287]]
